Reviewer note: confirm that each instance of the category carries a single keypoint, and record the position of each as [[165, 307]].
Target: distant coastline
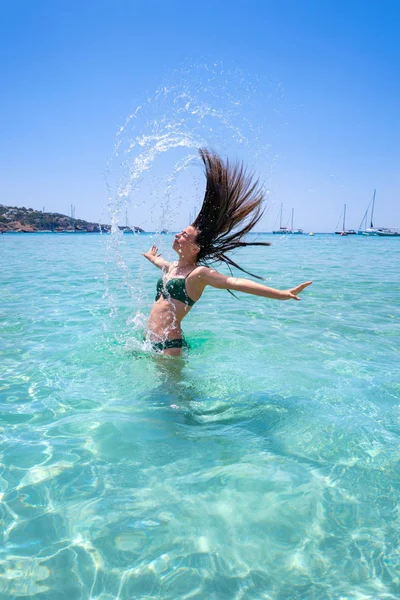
[[14, 219]]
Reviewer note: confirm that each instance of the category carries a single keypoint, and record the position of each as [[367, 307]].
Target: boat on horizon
[[286, 230], [295, 231], [344, 231], [371, 230], [387, 232]]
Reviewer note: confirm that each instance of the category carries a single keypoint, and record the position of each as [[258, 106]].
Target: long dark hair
[[232, 198]]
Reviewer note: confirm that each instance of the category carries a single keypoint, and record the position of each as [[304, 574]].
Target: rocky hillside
[[28, 220]]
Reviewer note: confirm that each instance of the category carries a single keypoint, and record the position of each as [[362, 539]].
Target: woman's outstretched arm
[[156, 259], [218, 280]]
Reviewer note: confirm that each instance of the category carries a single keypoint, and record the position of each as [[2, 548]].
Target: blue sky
[[327, 72]]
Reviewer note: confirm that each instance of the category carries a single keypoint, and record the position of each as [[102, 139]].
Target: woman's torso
[[176, 294]]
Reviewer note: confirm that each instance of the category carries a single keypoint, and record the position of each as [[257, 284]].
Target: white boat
[[371, 230], [281, 230], [387, 232], [286, 230], [344, 231], [295, 231]]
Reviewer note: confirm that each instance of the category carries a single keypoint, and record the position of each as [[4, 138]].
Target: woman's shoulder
[[203, 272]]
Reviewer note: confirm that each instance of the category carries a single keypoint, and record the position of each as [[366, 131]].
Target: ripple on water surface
[[262, 465]]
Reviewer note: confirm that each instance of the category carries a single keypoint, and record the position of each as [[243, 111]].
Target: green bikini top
[[175, 288]]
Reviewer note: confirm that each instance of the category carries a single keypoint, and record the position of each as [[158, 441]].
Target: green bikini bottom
[[176, 343]]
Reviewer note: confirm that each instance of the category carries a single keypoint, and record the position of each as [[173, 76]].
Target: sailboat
[[281, 230], [363, 225], [388, 232], [295, 231], [345, 231], [371, 230], [286, 229]]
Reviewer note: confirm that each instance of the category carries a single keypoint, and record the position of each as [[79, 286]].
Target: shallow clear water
[[265, 464]]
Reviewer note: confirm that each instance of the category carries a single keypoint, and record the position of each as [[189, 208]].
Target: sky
[[317, 81]]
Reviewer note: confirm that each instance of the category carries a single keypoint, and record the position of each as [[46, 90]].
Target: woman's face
[[185, 242]]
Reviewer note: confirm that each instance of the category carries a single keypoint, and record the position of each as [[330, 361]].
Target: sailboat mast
[[292, 218], [372, 211], [344, 218], [280, 220], [364, 221]]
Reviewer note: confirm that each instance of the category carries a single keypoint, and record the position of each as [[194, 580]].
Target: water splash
[[198, 106], [154, 177]]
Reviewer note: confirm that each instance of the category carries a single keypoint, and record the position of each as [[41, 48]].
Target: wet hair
[[232, 206]]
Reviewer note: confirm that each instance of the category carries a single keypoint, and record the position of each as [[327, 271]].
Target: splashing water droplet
[[148, 174]]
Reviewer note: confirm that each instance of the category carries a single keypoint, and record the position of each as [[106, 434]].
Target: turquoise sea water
[[264, 464]]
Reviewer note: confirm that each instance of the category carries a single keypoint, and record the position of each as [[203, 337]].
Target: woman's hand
[[292, 294], [151, 254], [155, 257]]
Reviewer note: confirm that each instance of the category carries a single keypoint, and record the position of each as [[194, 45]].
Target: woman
[[232, 206]]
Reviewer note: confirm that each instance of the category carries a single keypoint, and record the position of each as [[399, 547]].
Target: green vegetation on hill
[[28, 220]]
